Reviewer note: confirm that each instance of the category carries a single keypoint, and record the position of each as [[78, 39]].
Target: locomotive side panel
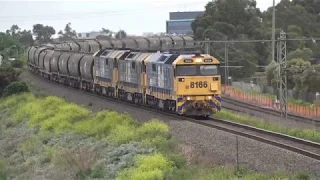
[[128, 69]]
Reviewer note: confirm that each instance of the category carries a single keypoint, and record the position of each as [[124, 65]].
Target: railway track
[[267, 111], [300, 146]]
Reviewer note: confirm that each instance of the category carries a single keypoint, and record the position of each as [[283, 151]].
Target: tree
[[121, 34], [13, 31], [232, 20], [9, 46], [304, 54], [313, 79], [43, 33], [25, 37], [68, 34]]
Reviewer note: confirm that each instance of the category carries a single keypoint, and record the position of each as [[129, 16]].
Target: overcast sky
[[133, 16]]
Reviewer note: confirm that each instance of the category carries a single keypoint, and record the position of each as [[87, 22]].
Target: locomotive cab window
[[196, 70], [208, 70]]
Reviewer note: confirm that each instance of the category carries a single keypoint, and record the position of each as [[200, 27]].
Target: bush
[[148, 167], [15, 88]]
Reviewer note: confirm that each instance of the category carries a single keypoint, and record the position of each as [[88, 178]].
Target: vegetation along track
[[267, 111], [300, 146]]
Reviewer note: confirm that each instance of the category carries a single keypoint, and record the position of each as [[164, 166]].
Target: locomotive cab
[[197, 85]]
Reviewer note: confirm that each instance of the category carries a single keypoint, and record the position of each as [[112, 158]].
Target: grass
[[51, 138], [308, 134]]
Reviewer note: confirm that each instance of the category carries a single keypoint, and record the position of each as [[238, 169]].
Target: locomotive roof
[[163, 58], [168, 58]]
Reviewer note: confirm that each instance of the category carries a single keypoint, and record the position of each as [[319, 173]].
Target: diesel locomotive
[[157, 73]]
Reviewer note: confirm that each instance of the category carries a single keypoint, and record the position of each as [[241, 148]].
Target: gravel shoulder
[[201, 144]]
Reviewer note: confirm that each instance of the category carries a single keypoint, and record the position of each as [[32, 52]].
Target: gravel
[[199, 143]]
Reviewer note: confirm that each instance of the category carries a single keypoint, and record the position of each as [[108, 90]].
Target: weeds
[[69, 141]]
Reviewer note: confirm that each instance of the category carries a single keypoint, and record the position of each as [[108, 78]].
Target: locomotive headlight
[[188, 98], [209, 97], [181, 79], [198, 60]]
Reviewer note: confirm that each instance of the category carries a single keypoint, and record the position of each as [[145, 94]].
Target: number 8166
[[199, 84]]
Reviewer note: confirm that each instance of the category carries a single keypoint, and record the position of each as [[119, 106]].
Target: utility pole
[[226, 64], [282, 60], [273, 29]]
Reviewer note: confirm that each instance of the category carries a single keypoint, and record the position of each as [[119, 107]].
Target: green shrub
[[103, 123], [15, 88], [147, 167]]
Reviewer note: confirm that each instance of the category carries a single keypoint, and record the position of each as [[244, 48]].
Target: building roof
[[179, 20], [185, 15]]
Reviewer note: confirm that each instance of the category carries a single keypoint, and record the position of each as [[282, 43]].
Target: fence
[[269, 101]]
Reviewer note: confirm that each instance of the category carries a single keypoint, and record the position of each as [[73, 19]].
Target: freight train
[[153, 72]]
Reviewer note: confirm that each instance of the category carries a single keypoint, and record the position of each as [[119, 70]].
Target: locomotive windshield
[[197, 70]]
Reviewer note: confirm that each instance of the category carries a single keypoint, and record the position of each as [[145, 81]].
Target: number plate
[[199, 84]]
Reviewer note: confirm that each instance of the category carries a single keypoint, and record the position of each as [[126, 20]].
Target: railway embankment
[[199, 144], [46, 137]]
